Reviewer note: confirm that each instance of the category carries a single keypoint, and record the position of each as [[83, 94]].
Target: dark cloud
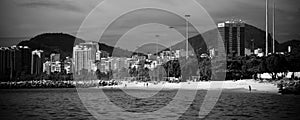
[[31, 17], [253, 12], [61, 5]]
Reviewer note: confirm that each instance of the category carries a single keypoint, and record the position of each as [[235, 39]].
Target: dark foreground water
[[65, 104]]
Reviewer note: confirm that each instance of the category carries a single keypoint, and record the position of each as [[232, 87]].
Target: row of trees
[[168, 69], [250, 66]]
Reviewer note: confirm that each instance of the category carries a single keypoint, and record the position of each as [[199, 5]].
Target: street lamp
[[187, 35], [274, 27], [170, 53], [171, 40], [157, 36], [267, 26]]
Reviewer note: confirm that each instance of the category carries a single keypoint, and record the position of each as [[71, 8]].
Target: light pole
[[156, 36], [171, 40], [274, 27], [267, 26], [187, 35]]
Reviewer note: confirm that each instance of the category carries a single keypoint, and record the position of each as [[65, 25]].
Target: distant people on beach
[[250, 88]]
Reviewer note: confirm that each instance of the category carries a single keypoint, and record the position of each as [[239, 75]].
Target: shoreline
[[228, 85], [240, 85]]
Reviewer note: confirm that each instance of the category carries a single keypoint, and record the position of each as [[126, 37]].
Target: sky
[[24, 19]]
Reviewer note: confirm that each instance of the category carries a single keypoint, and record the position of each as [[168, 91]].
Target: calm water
[[66, 104]]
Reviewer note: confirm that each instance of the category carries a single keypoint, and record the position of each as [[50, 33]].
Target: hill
[[259, 38], [283, 47], [53, 42], [251, 33], [63, 43], [115, 51], [150, 48]]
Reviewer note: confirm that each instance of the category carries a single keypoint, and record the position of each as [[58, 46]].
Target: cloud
[[31, 17], [60, 5]]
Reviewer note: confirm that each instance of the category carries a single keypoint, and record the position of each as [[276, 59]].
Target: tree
[[121, 73], [143, 74], [189, 67], [205, 69], [275, 64], [133, 72], [293, 59], [234, 69], [172, 68], [98, 74], [251, 67]]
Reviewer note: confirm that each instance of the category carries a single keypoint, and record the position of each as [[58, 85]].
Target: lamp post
[[274, 27], [156, 36], [267, 26], [187, 35], [171, 40]]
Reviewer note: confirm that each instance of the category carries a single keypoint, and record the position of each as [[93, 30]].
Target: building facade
[[85, 56], [37, 58], [233, 34], [54, 57], [14, 61]]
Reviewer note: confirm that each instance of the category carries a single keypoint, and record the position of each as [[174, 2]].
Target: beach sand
[[240, 85]]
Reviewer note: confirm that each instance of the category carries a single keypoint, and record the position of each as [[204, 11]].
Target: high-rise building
[[94, 48], [98, 55], [212, 52], [82, 56], [37, 62], [47, 67], [68, 65], [233, 34], [85, 56], [25, 59], [14, 61], [104, 54], [56, 66], [2, 63], [7, 63], [118, 63], [54, 57]]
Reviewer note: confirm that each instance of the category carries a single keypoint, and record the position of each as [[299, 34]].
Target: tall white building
[[37, 62], [84, 57]]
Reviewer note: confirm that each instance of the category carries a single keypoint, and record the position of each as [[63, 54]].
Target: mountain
[[63, 43], [259, 38], [283, 47], [251, 33], [53, 42], [115, 51], [197, 43], [150, 48]]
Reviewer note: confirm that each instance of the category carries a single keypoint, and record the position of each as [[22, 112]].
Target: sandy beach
[[240, 85]]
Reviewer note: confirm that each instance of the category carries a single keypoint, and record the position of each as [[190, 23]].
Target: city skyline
[[149, 59]]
